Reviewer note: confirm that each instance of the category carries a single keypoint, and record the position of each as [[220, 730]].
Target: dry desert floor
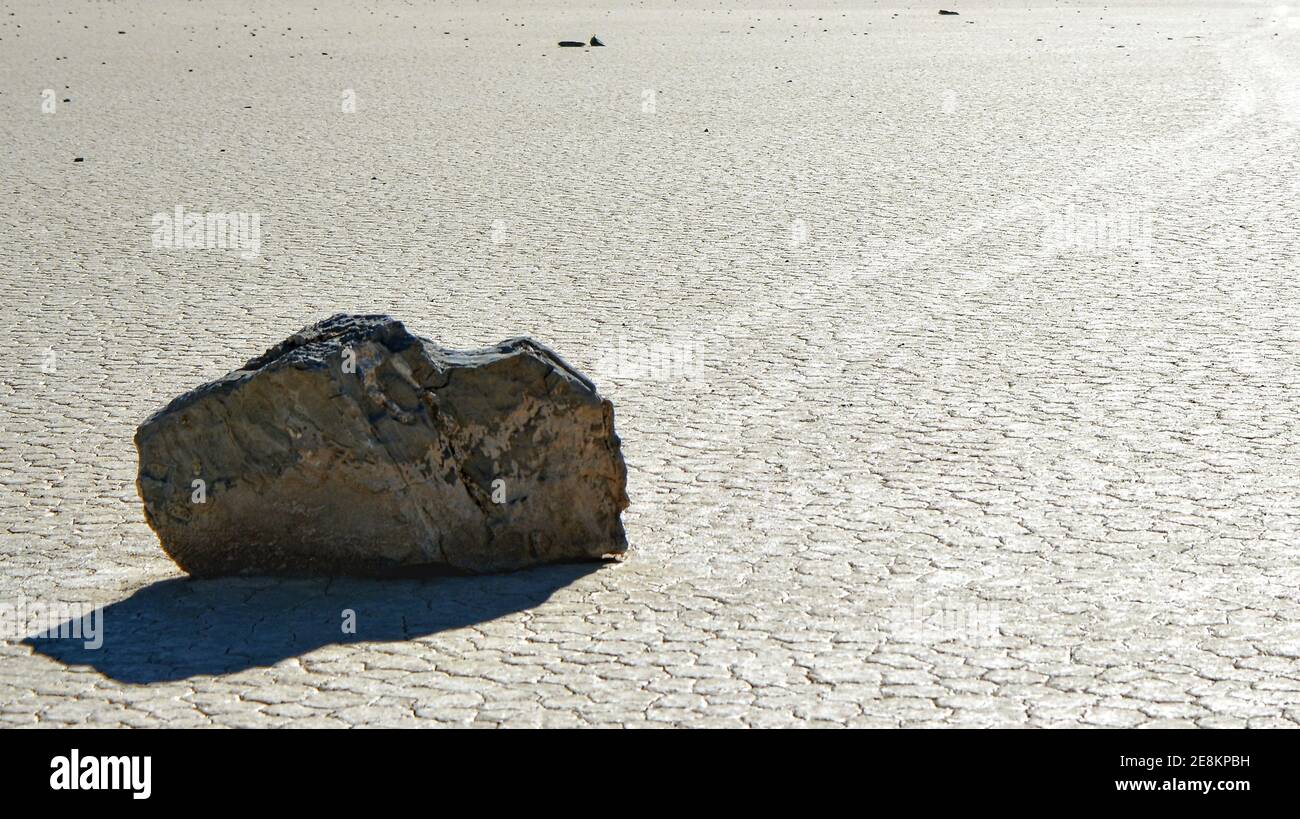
[[954, 357]]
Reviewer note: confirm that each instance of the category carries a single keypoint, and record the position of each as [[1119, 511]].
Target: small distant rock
[[572, 44], [945, 11], [79, 159], [595, 41]]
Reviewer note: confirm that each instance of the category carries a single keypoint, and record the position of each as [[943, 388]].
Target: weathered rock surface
[[354, 447]]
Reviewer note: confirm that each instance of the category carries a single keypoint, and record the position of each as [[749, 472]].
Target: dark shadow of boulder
[[181, 628]]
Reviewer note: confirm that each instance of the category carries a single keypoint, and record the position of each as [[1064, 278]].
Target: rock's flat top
[[1105, 450]]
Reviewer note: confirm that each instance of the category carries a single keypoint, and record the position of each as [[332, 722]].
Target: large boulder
[[354, 447]]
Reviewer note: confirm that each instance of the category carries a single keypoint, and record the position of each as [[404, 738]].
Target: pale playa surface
[[921, 468]]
